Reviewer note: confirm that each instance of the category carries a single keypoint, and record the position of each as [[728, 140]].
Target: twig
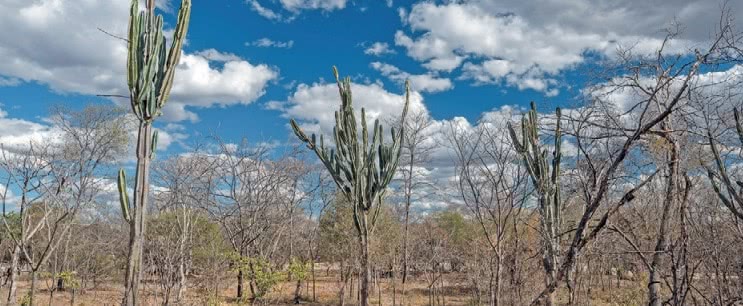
[[114, 36]]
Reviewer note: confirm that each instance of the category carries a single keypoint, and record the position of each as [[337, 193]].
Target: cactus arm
[[153, 145], [150, 67], [179, 36], [133, 44], [123, 196], [361, 168]]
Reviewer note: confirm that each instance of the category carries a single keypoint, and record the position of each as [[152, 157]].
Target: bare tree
[[58, 180], [417, 148], [626, 128], [248, 191], [491, 183]]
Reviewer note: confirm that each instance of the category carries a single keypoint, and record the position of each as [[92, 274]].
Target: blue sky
[[249, 65]]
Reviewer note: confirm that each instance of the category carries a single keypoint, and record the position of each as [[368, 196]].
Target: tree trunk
[[654, 282], [137, 223], [498, 268], [314, 297], [13, 276], [551, 243], [405, 252], [364, 276], [296, 292], [240, 284], [344, 279], [393, 278], [32, 293]]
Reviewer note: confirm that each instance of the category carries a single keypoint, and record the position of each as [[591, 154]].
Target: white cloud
[[264, 11], [378, 49], [199, 84], [19, 133], [295, 7], [9, 82], [420, 82], [313, 105], [214, 55], [268, 43], [58, 43], [325, 5], [526, 43]]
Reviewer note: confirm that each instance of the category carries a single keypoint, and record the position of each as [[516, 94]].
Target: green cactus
[[150, 72], [546, 181], [123, 196], [361, 168]]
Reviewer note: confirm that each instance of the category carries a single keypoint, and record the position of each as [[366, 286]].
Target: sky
[[250, 65]]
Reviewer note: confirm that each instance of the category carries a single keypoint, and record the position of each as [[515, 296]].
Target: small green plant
[[26, 300], [298, 269], [213, 300], [69, 279], [259, 271]]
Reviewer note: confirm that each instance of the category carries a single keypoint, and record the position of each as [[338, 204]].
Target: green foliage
[[454, 224], [213, 300], [69, 278], [209, 248], [361, 169], [205, 241], [298, 269], [26, 300], [336, 232], [258, 270], [14, 223]]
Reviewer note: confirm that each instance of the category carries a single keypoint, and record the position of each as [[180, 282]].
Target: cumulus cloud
[[325, 5], [57, 43], [19, 133], [215, 55], [378, 49], [313, 105], [268, 43], [524, 44], [9, 82], [199, 84], [293, 8], [264, 11], [421, 82]]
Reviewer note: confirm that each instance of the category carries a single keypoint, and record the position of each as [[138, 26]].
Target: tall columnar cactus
[[361, 168], [546, 181], [150, 71]]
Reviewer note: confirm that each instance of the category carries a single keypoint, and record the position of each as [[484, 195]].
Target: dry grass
[[326, 293]]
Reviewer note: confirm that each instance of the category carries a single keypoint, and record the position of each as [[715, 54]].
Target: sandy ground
[[326, 293]]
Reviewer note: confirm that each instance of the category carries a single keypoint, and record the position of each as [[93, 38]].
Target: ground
[[326, 293]]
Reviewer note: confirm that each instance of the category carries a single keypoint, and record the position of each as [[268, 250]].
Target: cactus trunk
[[150, 73], [137, 221], [361, 168], [546, 181]]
